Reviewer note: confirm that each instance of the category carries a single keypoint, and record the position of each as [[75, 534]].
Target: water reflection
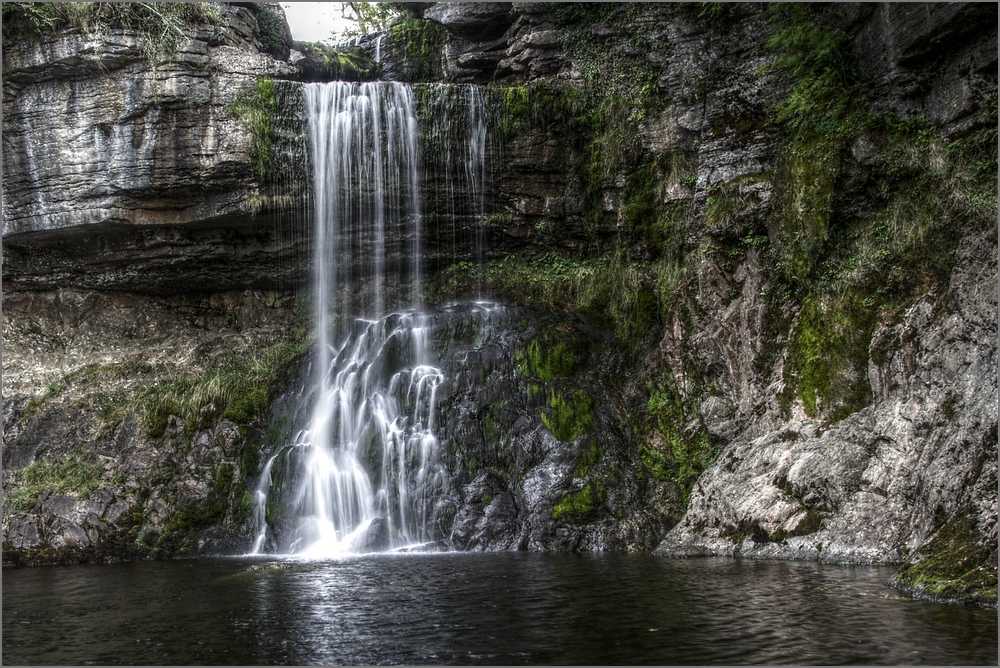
[[481, 609]]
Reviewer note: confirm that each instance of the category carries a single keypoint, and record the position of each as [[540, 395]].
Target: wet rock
[[488, 520], [376, 538]]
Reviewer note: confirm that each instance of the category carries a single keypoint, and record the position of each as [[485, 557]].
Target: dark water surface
[[510, 608]]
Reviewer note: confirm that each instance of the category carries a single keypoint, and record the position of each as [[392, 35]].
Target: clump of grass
[[617, 294], [161, 26], [34, 404], [238, 387], [79, 473]]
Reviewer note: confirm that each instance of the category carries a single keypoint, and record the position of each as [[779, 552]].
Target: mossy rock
[[955, 565], [325, 63], [582, 505]]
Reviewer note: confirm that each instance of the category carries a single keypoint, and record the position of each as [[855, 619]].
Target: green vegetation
[[569, 414], [555, 360], [421, 40], [272, 30], [79, 473], [918, 195], [953, 565], [237, 388], [824, 110], [33, 404], [581, 505], [257, 111], [160, 26], [608, 72], [657, 462], [623, 296], [829, 355], [693, 451], [326, 63]]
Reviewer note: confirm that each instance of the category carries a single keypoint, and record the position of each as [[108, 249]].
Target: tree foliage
[[367, 17]]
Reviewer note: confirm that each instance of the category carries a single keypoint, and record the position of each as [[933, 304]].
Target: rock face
[[84, 479], [532, 418], [131, 173], [877, 486], [778, 222]]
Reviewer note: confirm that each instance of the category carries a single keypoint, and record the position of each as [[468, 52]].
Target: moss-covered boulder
[[319, 62]]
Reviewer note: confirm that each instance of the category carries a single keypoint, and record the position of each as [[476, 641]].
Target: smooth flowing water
[[363, 472], [494, 608]]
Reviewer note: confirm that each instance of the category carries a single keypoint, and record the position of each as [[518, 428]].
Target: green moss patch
[[545, 359], [693, 451], [829, 356], [582, 505], [421, 41], [569, 414], [953, 565]]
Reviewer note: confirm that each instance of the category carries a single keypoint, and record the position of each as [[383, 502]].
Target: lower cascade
[[363, 471]]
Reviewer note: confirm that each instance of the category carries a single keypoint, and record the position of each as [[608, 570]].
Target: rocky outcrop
[[93, 470], [541, 456], [874, 486], [133, 167]]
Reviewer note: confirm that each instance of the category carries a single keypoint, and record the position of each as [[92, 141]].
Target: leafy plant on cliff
[[693, 450], [609, 71], [257, 110], [853, 246], [829, 355]]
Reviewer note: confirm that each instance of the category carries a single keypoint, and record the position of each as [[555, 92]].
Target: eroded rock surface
[[873, 487]]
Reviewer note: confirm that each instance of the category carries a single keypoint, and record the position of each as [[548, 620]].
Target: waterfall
[[364, 471]]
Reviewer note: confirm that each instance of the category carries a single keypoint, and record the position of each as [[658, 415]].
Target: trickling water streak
[[456, 137]]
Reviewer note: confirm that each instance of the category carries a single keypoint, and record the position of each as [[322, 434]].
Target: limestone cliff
[[780, 220]]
